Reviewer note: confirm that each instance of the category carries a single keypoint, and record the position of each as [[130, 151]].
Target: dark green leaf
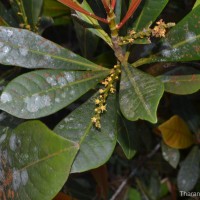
[[26, 49], [133, 194], [171, 155], [189, 172], [150, 11], [126, 137], [87, 40], [96, 145], [95, 27], [59, 13], [183, 84], [6, 18], [41, 93], [139, 95], [33, 10], [35, 162], [181, 43]]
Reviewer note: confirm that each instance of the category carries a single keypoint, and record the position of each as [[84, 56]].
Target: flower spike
[[73, 5], [133, 6]]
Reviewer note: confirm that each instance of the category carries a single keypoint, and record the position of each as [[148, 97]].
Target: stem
[[115, 36]]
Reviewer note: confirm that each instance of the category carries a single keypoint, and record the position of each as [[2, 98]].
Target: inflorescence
[[100, 102]]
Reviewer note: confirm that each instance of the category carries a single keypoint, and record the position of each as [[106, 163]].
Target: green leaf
[[151, 10], [87, 40], [53, 8], [139, 95], [6, 18], [41, 93], [171, 155], [26, 49], [196, 4], [96, 28], [189, 172], [181, 43], [33, 10], [59, 13], [133, 194], [96, 145], [125, 137], [183, 84], [35, 162]]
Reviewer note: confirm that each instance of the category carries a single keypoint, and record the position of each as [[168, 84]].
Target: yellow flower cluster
[[100, 102], [160, 29]]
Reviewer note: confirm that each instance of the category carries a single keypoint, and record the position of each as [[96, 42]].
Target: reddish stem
[[133, 6], [106, 6], [113, 3], [78, 8]]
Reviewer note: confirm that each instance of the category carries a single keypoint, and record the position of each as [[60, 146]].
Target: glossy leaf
[[125, 137], [176, 133], [189, 171], [41, 93], [183, 84], [139, 95], [150, 11], [26, 49], [33, 10], [93, 24], [171, 155], [35, 162], [181, 43], [96, 145]]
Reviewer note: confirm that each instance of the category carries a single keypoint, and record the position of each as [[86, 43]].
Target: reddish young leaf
[[75, 6], [133, 6]]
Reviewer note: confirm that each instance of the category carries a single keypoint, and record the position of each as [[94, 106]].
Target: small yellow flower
[[131, 40], [103, 108], [97, 101], [94, 119], [112, 90], [101, 91], [109, 79], [105, 83]]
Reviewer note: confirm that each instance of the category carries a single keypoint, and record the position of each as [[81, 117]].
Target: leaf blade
[[35, 152], [41, 93], [96, 146], [140, 94], [180, 44], [33, 51]]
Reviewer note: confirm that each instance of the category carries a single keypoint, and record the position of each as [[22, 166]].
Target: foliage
[[123, 84]]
